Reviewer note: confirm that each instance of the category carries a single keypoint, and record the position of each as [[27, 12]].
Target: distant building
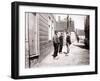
[[70, 25], [65, 26], [38, 37], [80, 32], [61, 26]]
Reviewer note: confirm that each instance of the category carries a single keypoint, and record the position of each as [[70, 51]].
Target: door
[[32, 39], [32, 34]]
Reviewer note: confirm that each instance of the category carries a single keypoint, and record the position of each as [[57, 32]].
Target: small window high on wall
[[49, 29]]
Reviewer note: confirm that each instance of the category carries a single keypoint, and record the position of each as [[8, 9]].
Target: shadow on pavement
[[82, 46]]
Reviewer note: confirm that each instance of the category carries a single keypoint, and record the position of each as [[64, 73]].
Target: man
[[55, 44], [61, 43], [68, 42], [77, 38]]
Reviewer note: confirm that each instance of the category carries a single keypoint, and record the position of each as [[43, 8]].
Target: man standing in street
[[55, 44], [68, 42], [60, 43]]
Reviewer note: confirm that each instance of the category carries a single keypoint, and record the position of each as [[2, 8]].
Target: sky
[[78, 20]]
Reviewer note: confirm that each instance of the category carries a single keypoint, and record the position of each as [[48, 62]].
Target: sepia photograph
[[53, 39]]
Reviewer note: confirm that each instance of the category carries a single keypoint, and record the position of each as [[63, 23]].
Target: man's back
[[68, 39], [61, 40]]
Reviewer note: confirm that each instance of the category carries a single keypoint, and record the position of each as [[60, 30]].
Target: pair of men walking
[[58, 43]]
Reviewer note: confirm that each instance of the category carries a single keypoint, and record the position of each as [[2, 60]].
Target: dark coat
[[55, 39], [61, 40], [68, 40]]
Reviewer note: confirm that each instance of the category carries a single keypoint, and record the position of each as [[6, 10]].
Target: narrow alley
[[45, 29], [78, 56]]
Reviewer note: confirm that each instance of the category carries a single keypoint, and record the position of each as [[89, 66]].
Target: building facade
[[70, 25], [38, 37], [66, 25]]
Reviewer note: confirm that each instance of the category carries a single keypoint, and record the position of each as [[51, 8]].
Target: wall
[[61, 26], [37, 41], [31, 39], [45, 43], [5, 41]]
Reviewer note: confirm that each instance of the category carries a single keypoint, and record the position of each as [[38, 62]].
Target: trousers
[[55, 49]]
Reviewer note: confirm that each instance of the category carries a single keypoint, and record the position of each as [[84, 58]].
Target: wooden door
[[31, 39], [32, 34]]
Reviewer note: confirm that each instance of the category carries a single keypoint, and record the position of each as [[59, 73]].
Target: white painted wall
[[5, 41]]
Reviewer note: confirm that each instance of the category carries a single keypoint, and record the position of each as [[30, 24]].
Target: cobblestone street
[[78, 56]]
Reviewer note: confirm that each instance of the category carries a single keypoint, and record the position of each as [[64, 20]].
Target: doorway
[[31, 39]]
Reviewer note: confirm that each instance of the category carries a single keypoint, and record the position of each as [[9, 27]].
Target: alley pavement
[[78, 55]]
